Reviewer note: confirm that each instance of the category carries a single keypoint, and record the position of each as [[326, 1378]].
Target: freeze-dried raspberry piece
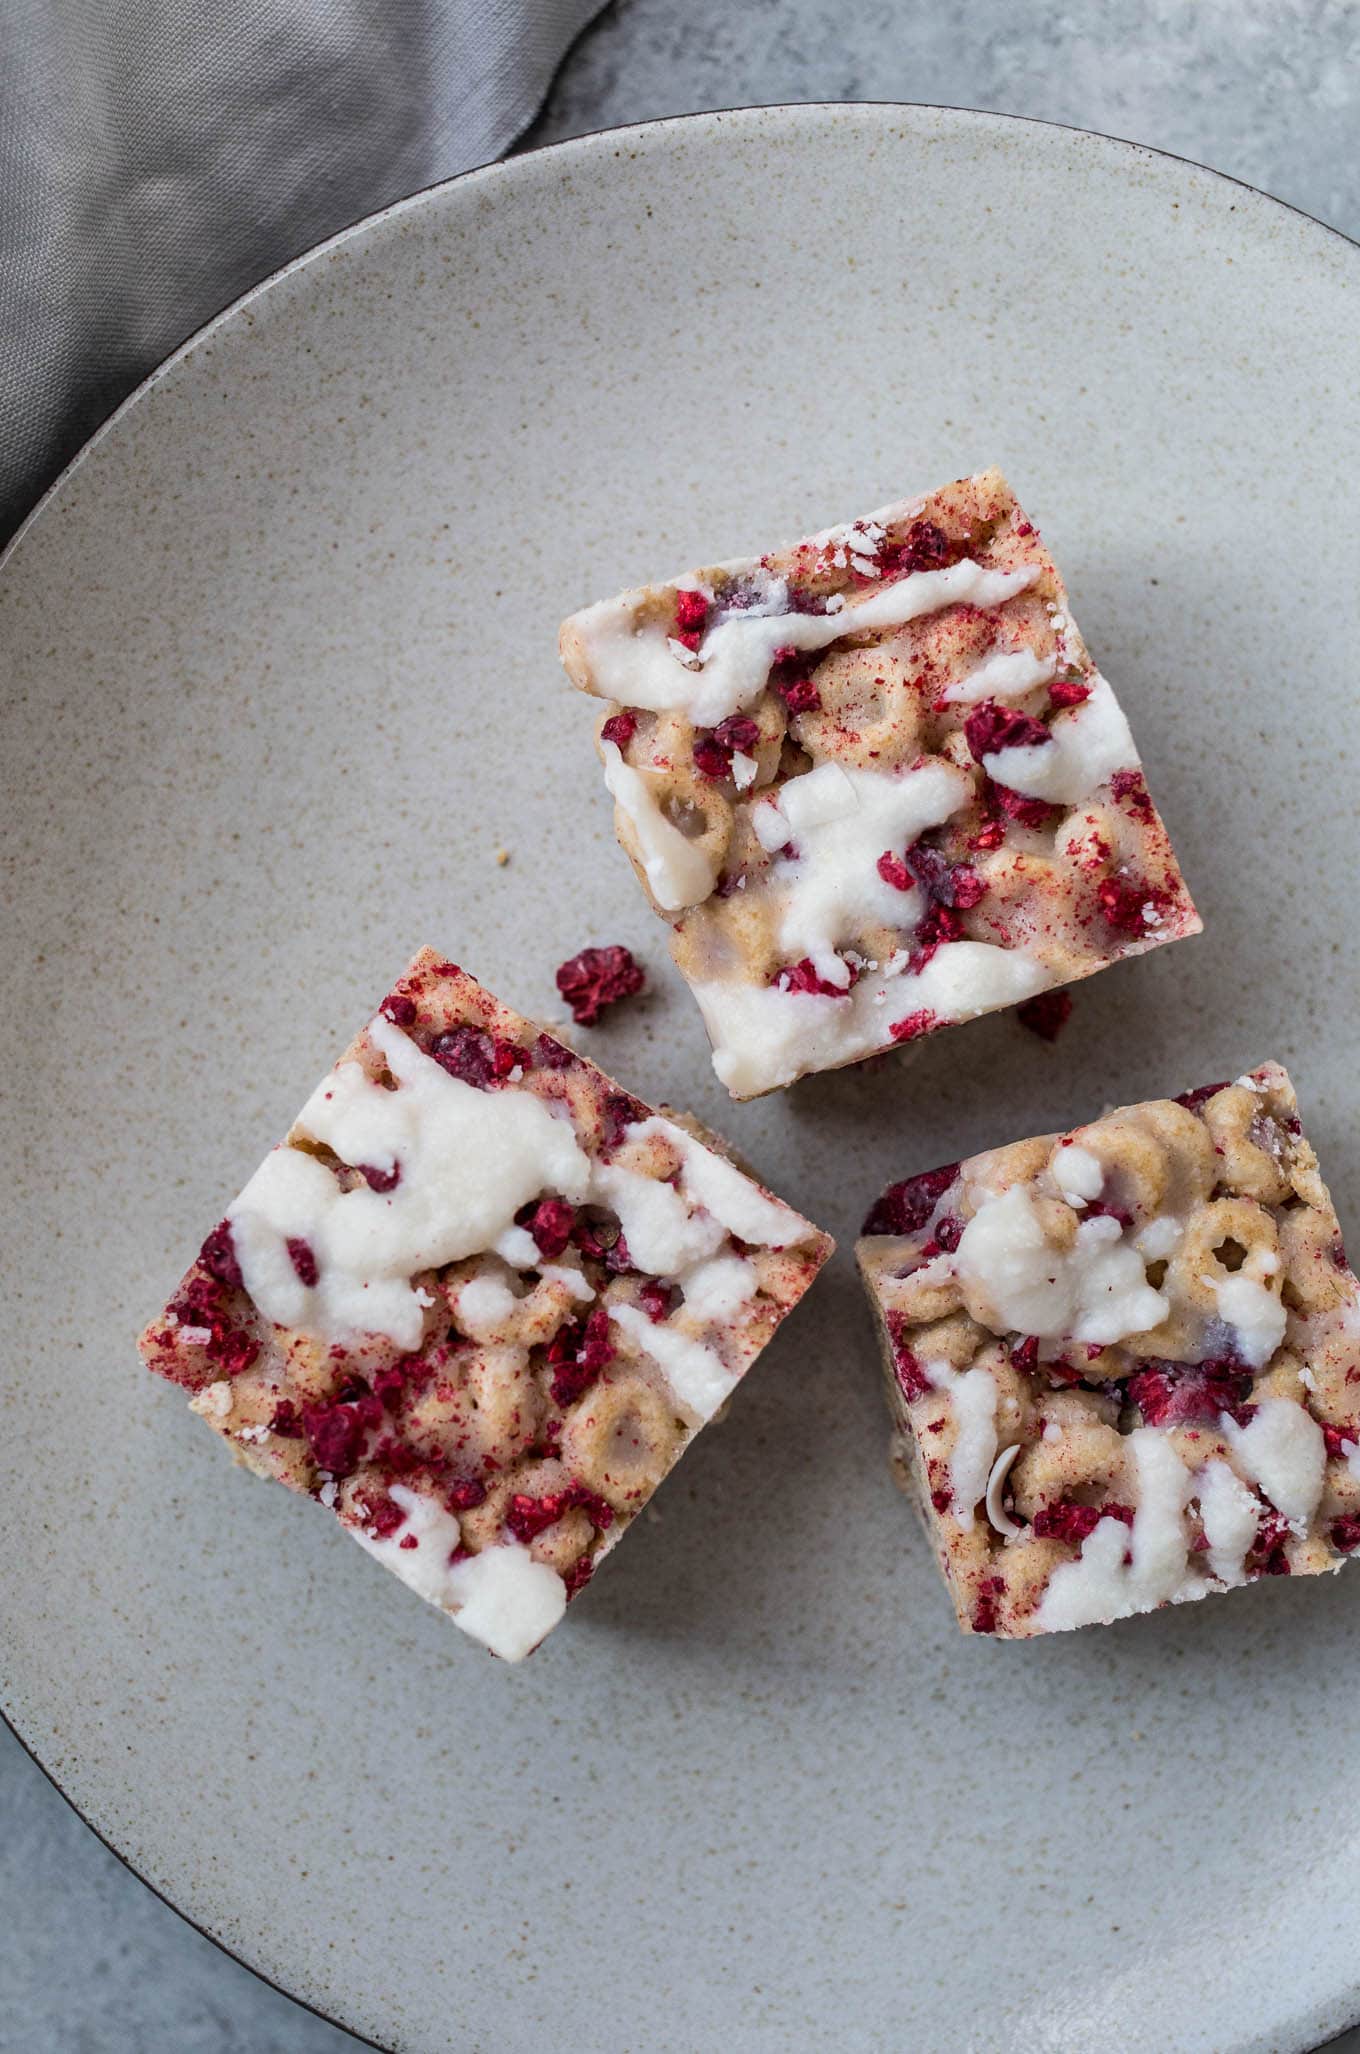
[[1190, 1393], [597, 978], [1130, 904], [1067, 1520], [218, 1256], [1200, 1096], [923, 1021], [803, 976], [1046, 1014], [992, 727], [620, 728], [904, 1208]]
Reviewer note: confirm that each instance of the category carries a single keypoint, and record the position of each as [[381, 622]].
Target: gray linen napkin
[[157, 157]]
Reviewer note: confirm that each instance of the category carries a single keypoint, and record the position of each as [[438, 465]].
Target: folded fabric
[[159, 158]]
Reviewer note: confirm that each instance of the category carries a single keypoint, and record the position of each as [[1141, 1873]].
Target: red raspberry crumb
[[1190, 1393], [408, 1541], [1267, 1556], [657, 1299], [552, 1055], [1017, 806], [1131, 790], [301, 1255], [942, 1500], [710, 758], [802, 976], [620, 728], [1345, 1533], [985, 1611], [1066, 1520], [894, 871], [465, 1495], [619, 1113], [691, 611], [1046, 1014], [578, 1576], [1337, 1439], [1130, 904], [201, 1303], [551, 1222], [791, 680], [527, 1517], [1025, 1354], [232, 1350], [577, 1354], [287, 1421], [218, 1256], [385, 1517], [904, 1208], [597, 978], [336, 1433], [380, 1180], [466, 1053], [1068, 692], [399, 1009], [915, 1025], [924, 547], [1193, 1100], [993, 726]]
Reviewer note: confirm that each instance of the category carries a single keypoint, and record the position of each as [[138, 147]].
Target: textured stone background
[[1269, 90]]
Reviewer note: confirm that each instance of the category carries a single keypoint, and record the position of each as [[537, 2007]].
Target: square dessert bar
[[1124, 1362], [875, 783], [478, 1302]]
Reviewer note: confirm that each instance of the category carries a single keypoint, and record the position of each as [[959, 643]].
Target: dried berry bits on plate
[[478, 1302], [875, 783], [1124, 1362]]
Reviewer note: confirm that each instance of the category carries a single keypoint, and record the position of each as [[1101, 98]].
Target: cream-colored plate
[[279, 680]]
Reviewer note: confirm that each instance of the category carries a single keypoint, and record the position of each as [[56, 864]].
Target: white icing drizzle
[[841, 822], [634, 663], [972, 1397], [368, 1244], [720, 1288], [1005, 674], [502, 1597], [1230, 1516], [764, 1037], [1161, 1237], [679, 871], [1282, 1450], [1100, 1586], [1078, 1174], [744, 770], [665, 1234], [696, 1373], [483, 1306], [1086, 746], [1255, 1313], [1095, 1291]]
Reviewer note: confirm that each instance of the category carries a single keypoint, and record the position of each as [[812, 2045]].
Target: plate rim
[[588, 143]]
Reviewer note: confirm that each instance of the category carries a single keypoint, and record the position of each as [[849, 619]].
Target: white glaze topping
[[368, 1244], [1078, 1174], [1095, 1291], [679, 871], [1281, 1448], [1230, 1516], [972, 1398], [697, 1374], [840, 822], [636, 664], [1085, 747], [1005, 674], [506, 1599], [1256, 1313], [1100, 1586], [764, 1037]]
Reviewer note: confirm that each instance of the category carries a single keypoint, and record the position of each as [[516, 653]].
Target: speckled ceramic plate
[[279, 680]]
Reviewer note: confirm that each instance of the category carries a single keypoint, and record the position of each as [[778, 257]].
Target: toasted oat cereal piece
[[875, 783], [478, 1302], [1124, 1363]]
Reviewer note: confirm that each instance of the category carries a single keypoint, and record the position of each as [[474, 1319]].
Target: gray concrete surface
[[1269, 90]]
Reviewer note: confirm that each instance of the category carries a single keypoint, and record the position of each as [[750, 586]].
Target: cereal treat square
[[1124, 1363], [875, 783], [478, 1302]]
